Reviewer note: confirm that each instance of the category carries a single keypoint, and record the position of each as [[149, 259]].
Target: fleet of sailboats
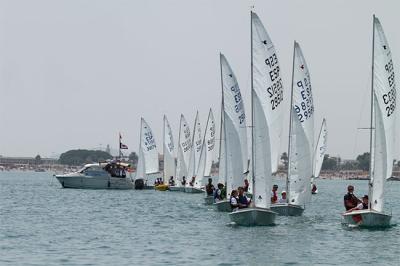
[[187, 164]]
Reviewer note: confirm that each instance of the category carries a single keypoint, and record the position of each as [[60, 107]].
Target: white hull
[[367, 218], [95, 182], [223, 206], [193, 190], [285, 209], [208, 200], [253, 217], [174, 188]]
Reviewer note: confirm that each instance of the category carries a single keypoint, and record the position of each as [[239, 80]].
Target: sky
[[73, 74]]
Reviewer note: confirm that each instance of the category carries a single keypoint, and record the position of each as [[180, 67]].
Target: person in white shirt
[[283, 199], [234, 200]]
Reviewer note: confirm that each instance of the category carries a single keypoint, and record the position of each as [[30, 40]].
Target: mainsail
[[267, 96], [207, 150], [168, 152], [184, 149], [148, 155], [197, 141], [383, 116], [234, 132], [320, 149], [301, 132]]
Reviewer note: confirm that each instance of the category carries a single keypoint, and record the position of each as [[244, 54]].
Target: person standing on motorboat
[[283, 199], [274, 194], [243, 202], [350, 200], [234, 200], [210, 188]]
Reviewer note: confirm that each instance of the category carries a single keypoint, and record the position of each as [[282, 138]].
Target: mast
[[252, 107], [290, 125], [372, 127], [179, 147], [222, 124], [164, 148]]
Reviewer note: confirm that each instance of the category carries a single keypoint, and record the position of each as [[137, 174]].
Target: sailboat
[[207, 154], [148, 156], [233, 159], [168, 156], [382, 133], [301, 139], [183, 156], [267, 111], [197, 143], [319, 154]]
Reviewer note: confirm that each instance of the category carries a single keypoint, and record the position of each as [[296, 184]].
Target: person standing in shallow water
[[350, 200]]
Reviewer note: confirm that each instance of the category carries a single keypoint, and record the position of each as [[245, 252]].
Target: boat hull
[[95, 182], [193, 190], [367, 218], [253, 217], [208, 200], [223, 206], [161, 187], [285, 209], [174, 188]]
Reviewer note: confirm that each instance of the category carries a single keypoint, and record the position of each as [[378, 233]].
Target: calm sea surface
[[43, 224]]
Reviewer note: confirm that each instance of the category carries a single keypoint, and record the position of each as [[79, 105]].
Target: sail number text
[[238, 103], [149, 143], [389, 99], [305, 109], [275, 91]]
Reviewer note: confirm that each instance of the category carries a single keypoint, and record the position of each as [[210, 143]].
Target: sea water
[[44, 224]]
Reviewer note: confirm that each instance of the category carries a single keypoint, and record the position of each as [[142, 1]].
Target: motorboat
[[102, 175]]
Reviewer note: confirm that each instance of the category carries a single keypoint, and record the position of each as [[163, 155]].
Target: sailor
[[243, 201], [171, 181], [218, 192], [361, 206], [274, 194], [210, 187], [234, 200], [350, 201], [283, 199], [246, 185], [183, 181], [191, 183], [314, 189]]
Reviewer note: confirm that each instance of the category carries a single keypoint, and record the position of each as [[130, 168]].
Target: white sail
[[267, 83], [234, 128], [320, 149], [184, 149], [301, 138], [384, 116], [197, 141], [267, 97], [168, 152], [207, 150], [148, 154]]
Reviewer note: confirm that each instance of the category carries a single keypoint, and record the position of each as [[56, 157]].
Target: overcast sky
[[75, 73]]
